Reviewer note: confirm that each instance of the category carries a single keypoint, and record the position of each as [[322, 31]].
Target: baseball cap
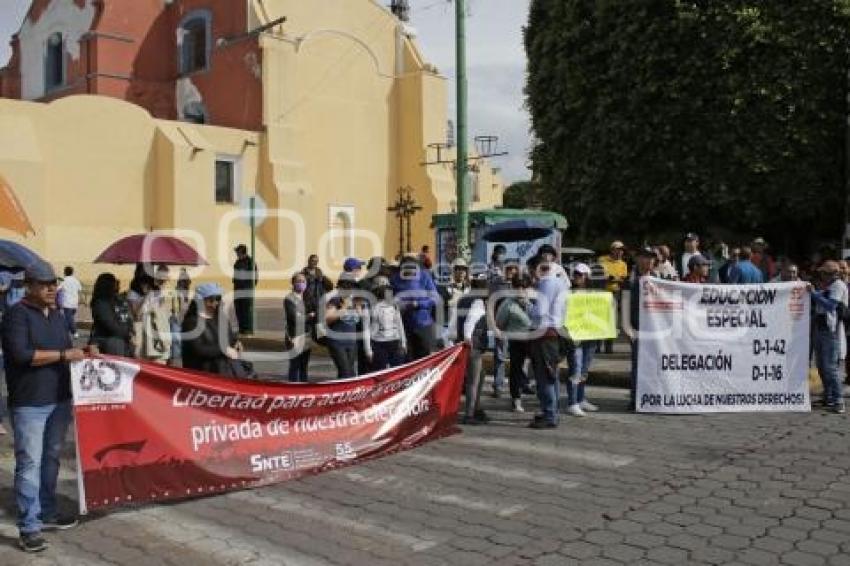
[[582, 268], [646, 251], [759, 241], [460, 263], [207, 290], [617, 244], [351, 264], [241, 248], [691, 236], [40, 271]]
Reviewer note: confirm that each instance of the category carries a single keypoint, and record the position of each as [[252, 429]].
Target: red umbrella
[[151, 248]]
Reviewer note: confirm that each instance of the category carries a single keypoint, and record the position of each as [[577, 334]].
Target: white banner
[[723, 348]]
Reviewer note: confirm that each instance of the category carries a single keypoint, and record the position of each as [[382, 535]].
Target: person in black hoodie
[[112, 323], [204, 346]]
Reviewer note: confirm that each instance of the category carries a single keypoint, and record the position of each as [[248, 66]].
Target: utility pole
[[461, 164]]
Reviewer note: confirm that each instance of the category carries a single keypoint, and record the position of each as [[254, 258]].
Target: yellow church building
[[125, 116]]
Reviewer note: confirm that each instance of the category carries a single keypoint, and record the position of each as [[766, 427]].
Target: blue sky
[[496, 61]]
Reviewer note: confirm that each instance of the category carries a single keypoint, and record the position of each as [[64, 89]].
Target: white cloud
[[495, 69], [11, 15]]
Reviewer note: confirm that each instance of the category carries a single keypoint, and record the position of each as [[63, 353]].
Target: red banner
[[147, 432]]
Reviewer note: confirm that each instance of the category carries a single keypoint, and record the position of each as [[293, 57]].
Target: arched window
[[54, 62], [194, 42], [343, 231], [340, 234]]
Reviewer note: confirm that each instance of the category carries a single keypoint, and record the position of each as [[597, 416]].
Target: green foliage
[[654, 115], [522, 194]]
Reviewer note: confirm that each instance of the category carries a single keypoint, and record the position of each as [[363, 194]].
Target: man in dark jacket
[[37, 349], [317, 282], [245, 278]]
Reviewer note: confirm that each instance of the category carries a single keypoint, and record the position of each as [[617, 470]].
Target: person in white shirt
[[71, 288], [384, 339], [665, 267], [691, 250]]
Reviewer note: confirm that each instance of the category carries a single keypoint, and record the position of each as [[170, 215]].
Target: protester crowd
[[377, 315]]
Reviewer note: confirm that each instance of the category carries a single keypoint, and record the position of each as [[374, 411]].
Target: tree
[[690, 115], [522, 194]]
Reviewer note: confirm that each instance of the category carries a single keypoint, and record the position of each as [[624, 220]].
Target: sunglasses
[[214, 299]]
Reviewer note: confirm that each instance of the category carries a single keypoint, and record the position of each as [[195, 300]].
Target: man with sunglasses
[[37, 349]]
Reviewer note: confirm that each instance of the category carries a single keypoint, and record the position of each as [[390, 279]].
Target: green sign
[[590, 316]]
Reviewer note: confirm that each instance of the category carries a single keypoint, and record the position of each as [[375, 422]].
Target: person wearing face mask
[[343, 314], [514, 321], [385, 341], [300, 312]]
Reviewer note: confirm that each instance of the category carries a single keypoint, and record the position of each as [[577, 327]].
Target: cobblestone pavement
[[613, 488]]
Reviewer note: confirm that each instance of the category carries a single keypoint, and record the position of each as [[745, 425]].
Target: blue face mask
[[300, 287]]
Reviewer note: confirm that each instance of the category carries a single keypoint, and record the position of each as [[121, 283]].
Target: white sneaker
[[575, 410], [516, 407], [589, 407]]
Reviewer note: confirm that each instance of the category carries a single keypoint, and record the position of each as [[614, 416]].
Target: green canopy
[[497, 215]]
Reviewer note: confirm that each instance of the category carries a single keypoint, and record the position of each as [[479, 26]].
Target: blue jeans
[[39, 434], [69, 319], [545, 356], [826, 356], [500, 356], [585, 352]]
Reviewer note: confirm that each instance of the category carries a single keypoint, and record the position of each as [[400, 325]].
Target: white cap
[[581, 269]]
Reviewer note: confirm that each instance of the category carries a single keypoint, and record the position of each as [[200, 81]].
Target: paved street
[[614, 488]]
